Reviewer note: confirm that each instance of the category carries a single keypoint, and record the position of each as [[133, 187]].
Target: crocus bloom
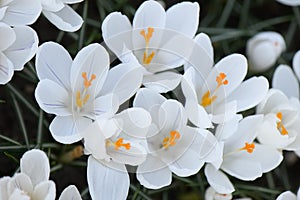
[[19, 12], [288, 195], [289, 2], [211, 194], [172, 145], [17, 46], [221, 91], [70, 192], [146, 41], [32, 182], [264, 49], [112, 143], [243, 158], [281, 122], [79, 91], [59, 13]]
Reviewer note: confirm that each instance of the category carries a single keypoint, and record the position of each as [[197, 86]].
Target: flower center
[[118, 144], [248, 147], [280, 126], [82, 98], [147, 58], [208, 98], [170, 141]]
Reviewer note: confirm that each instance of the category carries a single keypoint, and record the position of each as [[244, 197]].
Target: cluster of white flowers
[[202, 128]]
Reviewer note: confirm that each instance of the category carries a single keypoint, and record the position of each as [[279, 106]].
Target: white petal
[[70, 192], [228, 128], [35, 164], [54, 62], [67, 129], [65, 19], [24, 47], [203, 40], [153, 173], [20, 181], [149, 14], [22, 12], [71, 1], [92, 59], [7, 36], [296, 64], [250, 93], [52, 5], [273, 98], [134, 122], [52, 98], [187, 164], [224, 112], [105, 182], [45, 190], [285, 80], [4, 187], [123, 80], [116, 31], [6, 69], [268, 157], [218, 180], [95, 141], [289, 2], [242, 168], [162, 82], [147, 98], [171, 116], [18, 195], [287, 195], [106, 105], [183, 18]]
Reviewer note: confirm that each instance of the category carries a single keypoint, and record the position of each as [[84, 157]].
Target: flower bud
[[264, 49]]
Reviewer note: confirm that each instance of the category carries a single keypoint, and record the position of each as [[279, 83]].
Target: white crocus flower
[[264, 49], [289, 2], [32, 182], [172, 145], [288, 195], [281, 122], [19, 12], [79, 91], [148, 40], [243, 158], [221, 91], [112, 143], [59, 13], [17, 46], [211, 194]]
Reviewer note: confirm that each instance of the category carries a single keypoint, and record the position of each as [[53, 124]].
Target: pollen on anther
[[248, 147]]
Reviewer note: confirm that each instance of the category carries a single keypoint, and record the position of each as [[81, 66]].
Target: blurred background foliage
[[229, 23]]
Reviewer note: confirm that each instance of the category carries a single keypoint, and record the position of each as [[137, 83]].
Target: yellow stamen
[[82, 99], [171, 141], [248, 147], [87, 83], [280, 126], [207, 98], [147, 58]]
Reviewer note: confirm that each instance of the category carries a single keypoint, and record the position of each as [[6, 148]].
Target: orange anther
[[280, 126], [119, 143], [147, 36], [207, 99], [248, 147], [220, 79], [87, 83], [171, 141]]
